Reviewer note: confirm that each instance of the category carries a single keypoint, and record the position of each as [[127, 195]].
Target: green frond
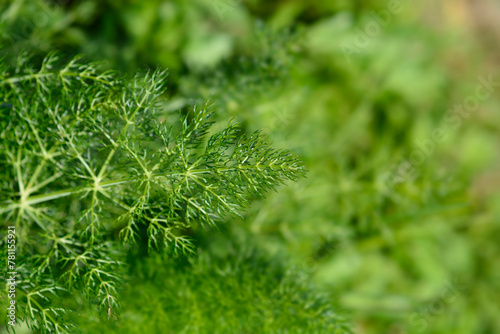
[[94, 165]]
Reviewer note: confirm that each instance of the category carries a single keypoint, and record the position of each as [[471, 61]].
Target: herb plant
[[93, 165]]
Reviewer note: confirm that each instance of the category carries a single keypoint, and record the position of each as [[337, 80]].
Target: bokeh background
[[379, 98]]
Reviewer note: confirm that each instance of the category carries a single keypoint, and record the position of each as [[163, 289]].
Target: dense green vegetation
[[399, 131]]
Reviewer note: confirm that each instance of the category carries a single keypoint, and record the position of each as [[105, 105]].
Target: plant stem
[[107, 184]]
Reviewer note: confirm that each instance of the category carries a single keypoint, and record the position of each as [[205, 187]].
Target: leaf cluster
[[232, 287], [94, 165]]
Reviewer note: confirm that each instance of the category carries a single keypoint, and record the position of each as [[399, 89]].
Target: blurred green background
[[381, 100]]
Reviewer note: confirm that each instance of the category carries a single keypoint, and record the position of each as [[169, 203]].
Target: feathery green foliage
[[92, 160], [353, 107], [232, 287]]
